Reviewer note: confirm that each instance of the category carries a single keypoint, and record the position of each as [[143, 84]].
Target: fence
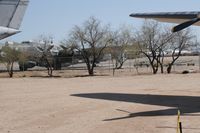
[[76, 67]]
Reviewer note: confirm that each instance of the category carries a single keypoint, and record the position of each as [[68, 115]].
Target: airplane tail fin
[[12, 12]]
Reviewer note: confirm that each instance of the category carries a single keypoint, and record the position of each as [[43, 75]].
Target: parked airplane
[[185, 19], [11, 15]]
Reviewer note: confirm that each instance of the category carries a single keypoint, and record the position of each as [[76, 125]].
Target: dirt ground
[[101, 104]]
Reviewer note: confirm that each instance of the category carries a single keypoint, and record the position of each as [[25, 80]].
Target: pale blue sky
[[57, 17]]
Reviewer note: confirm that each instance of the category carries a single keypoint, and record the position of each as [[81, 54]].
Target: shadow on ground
[[187, 104]]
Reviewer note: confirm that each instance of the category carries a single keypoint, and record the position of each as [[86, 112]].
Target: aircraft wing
[[171, 17], [12, 12]]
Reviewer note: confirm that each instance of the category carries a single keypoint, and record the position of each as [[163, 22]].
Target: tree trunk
[[161, 68], [120, 65], [50, 71], [11, 74], [90, 69], [169, 68], [49, 68], [155, 69], [10, 71], [91, 72]]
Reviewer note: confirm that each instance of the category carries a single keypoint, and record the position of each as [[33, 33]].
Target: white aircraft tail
[[12, 13]]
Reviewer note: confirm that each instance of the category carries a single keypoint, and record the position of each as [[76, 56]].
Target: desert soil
[[104, 104]]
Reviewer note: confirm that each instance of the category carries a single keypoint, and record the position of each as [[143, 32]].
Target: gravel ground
[[101, 104]]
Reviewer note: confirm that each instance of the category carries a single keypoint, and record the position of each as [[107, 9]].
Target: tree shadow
[[187, 104]]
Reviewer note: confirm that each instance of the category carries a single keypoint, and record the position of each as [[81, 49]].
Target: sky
[[58, 17]]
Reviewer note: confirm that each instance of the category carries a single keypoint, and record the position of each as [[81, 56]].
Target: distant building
[[30, 46]]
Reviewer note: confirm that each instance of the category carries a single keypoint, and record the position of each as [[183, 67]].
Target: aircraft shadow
[[187, 104]]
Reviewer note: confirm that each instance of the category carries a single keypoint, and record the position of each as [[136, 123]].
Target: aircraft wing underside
[[171, 17]]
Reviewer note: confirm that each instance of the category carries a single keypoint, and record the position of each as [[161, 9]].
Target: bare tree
[[45, 50], [122, 39], [90, 40], [165, 38], [180, 41], [151, 40], [9, 56]]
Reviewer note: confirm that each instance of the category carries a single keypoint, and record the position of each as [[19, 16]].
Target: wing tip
[[131, 15], [134, 15]]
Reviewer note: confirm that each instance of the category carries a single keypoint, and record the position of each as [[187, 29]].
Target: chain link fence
[[72, 67]]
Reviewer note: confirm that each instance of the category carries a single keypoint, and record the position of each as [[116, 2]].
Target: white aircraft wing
[[171, 17], [12, 12]]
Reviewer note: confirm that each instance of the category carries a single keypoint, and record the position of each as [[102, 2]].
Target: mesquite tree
[[90, 40], [180, 41], [122, 39], [8, 57], [45, 56], [151, 40]]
